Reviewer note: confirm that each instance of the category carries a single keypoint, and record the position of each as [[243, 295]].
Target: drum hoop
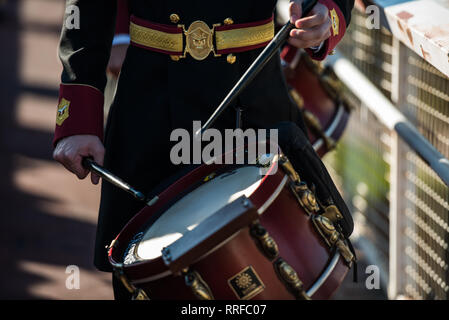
[[273, 196], [334, 125], [326, 273]]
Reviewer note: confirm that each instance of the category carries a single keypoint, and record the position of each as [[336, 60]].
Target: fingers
[[70, 159], [317, 16], [310, 37], [71, 150], [312, 30], [98, 154], [295, 10]]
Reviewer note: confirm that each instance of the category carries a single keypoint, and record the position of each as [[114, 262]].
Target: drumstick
[[94, 167], [256, 66]]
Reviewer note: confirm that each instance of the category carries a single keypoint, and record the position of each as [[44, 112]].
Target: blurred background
[[400, 204], [47, 216]]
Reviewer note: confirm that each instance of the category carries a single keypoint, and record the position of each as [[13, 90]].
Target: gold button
[[228, 21], [174, 18], [174, 58], [231, 58], [332, 52]]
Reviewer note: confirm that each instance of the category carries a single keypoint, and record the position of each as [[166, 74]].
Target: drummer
[[159, 90]]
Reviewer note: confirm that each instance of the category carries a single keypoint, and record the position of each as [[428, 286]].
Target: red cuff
[[338, 30], [80, 111], [122, 23]]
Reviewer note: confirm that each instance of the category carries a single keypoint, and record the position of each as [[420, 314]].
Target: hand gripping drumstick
[[94, 167], [256, 66]]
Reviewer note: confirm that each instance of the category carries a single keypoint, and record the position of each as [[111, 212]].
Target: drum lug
[[331, 83], [315, 66], [303, 194], [305, 197], [264, 241], [288, 168], [315, 126], [137, 294], [199, 287], [325, 225], [291, 279], [284, 271], [297, 98]]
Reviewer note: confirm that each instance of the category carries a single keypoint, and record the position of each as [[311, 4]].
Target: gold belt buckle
[[199, 40]]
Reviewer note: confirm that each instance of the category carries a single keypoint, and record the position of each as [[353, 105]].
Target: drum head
[[185, 214]]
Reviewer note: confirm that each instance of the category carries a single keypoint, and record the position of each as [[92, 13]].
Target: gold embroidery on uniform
[[335, 22], [155, 38], [63, 111], [244, 37]]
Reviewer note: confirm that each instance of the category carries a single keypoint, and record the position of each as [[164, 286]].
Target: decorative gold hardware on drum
[[325, 225], [289, 276], [305, 197], [137, 293], [266, 243], [289, 170], [297, 98], [299, 188], [199, 287], [314, 125]]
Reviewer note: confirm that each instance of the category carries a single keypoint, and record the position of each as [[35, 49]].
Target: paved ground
[[47, 216]]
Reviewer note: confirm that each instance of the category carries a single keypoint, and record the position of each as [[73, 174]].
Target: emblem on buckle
[[199, 40]]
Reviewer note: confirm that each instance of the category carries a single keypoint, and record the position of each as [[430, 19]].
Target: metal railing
[[391, 164]]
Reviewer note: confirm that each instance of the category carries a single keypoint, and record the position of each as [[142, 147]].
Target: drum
[[316, 91], [233, 232]]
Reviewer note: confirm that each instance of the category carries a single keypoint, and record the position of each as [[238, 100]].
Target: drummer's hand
[[118, 54], [71, 150], [311, 30]]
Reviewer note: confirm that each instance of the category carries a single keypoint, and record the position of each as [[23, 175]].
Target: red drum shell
[[332, 114], [285, 220]]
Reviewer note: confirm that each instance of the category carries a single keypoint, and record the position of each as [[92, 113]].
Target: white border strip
[[330, 131], [325, 275], [273, 196]]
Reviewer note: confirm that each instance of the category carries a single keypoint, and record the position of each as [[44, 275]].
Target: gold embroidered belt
[[199, 40]]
